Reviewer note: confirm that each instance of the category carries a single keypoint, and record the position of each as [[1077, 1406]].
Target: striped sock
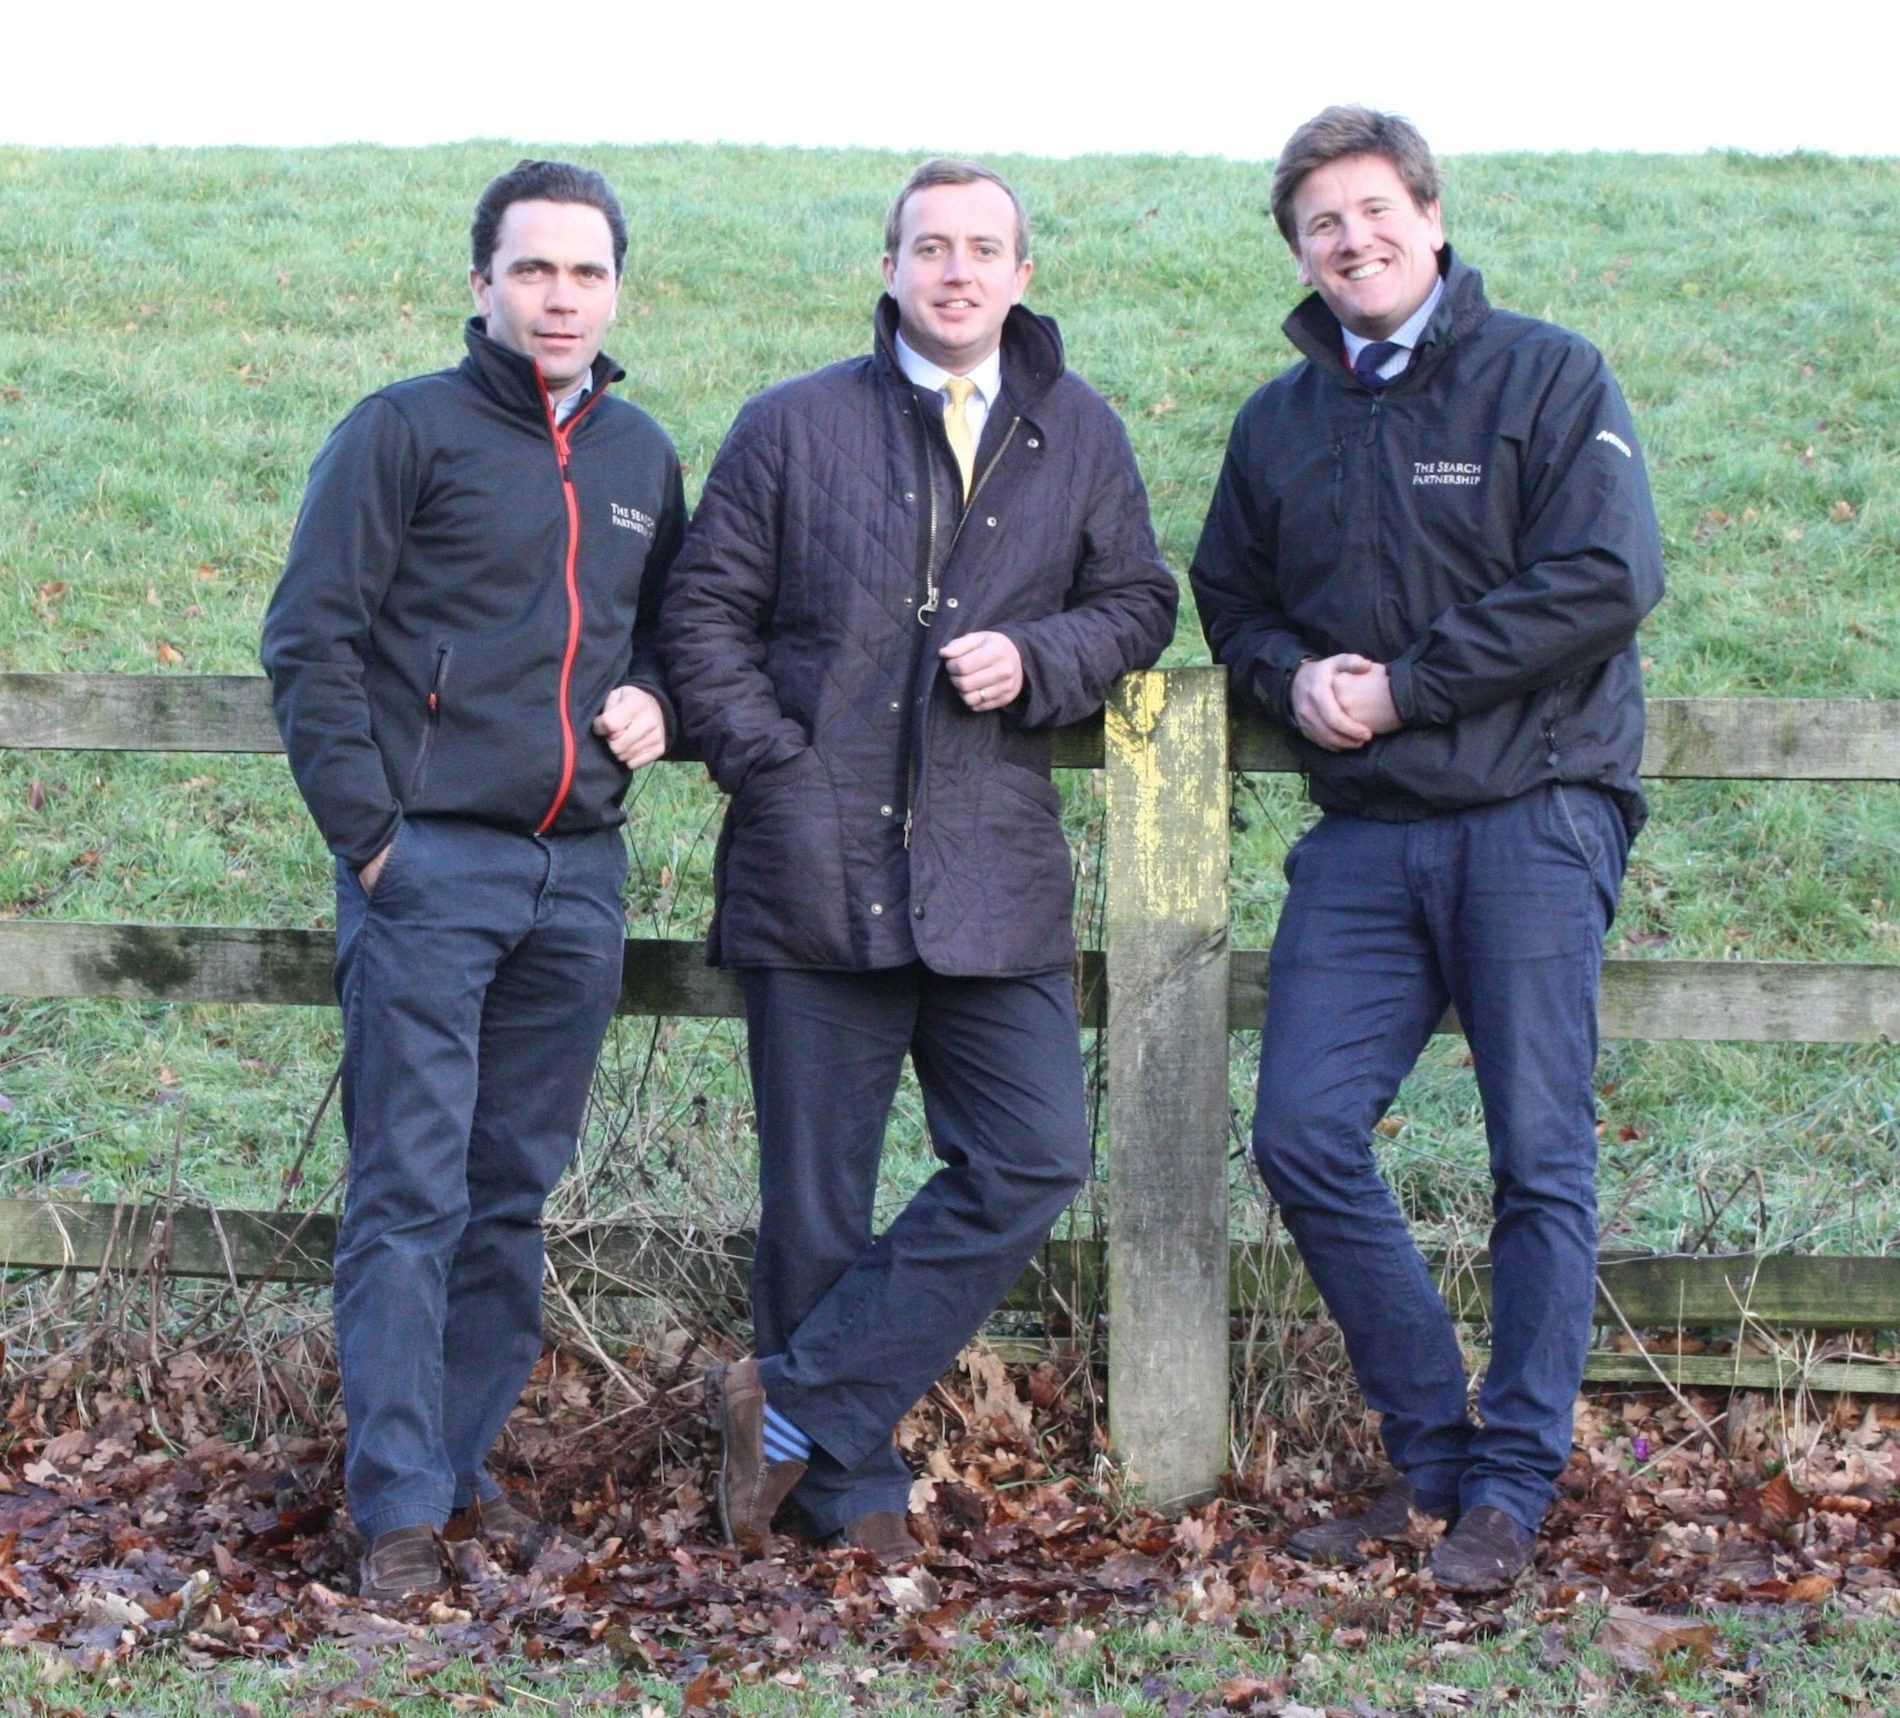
[[783, 1440]]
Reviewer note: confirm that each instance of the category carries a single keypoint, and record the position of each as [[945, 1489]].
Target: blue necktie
[[1372, 359]]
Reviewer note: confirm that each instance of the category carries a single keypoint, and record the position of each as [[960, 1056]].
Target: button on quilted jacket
[[874, 818]]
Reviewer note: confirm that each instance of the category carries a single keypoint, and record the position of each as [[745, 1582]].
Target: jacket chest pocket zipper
[[438, 681]]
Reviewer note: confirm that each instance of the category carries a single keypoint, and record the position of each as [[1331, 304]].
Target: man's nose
[[957, 264], [563, 293]]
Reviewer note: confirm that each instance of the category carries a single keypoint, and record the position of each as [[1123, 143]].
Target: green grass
[[1787, 1664], [178, 330]]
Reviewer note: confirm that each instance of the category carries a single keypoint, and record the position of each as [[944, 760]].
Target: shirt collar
[[568, 404], [988, 375], [1408, 332]]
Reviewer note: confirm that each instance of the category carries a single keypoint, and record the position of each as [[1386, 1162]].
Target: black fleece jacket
[[465, 585], [875, 818], [1483, 526]]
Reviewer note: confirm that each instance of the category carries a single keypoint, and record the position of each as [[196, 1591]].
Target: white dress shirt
[[988, 377], [1407, 336]]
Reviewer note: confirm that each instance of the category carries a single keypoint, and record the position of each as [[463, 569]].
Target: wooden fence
[[1166, 989]]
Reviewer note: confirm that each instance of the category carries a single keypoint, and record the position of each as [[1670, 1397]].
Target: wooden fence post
[[1166, 737]]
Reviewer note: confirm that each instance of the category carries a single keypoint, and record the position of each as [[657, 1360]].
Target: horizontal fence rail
[[1706, 739], [1703, 1001], [1684, 1292]]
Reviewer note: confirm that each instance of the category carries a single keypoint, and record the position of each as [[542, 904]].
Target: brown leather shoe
[[1386, 1517], [750, 1487], [495, 1518], [401, 1565], [884, 1533], [1485, 1551]]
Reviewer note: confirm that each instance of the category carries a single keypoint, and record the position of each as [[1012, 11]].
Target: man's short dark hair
[[948, 170], [1343, 131], [543, 182]]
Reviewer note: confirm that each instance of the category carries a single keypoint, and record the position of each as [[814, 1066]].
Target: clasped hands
[[1341, 702]]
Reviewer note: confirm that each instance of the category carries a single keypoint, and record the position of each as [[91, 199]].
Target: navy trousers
[[852, 1328], [476, 984], [1501, 911]]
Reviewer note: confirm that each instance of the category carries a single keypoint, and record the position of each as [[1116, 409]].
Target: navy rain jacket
[[1483, 526]]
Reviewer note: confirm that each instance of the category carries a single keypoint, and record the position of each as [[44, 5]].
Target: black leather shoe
[[1388, 1516], [1485, 1551], [401, 1565]]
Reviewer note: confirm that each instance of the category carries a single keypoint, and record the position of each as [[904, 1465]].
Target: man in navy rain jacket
[[1427, 555]]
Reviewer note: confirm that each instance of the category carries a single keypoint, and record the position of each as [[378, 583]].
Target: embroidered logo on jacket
[[1617, 442], [631, 519], [1465, 472]]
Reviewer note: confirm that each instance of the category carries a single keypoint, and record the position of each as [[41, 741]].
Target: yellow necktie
[[957, 428]]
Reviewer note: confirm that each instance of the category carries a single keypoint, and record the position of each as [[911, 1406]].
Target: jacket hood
[[1315, 330], [513, 378], [1032, 350]]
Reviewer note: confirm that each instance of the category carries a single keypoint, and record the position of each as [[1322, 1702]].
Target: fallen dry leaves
[[129, 1523]]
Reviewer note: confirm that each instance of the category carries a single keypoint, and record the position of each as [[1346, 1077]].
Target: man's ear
[[1024, 270], [890, 271], [1299, 264], [478, 284]]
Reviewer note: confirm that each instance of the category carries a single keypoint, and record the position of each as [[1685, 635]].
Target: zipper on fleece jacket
[[561, 432], [437, 681]]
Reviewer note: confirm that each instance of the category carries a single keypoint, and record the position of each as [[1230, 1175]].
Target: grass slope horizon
[[180, 329]]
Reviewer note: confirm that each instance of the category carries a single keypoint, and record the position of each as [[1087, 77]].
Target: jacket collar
[[510, 378], [1032, 352], [1315, 330]]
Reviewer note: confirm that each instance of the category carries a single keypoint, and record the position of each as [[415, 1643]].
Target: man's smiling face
[[955, 273], [1364, 245]]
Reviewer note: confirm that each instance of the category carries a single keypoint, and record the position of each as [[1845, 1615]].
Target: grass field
[[1784, 1668], [178, 330]]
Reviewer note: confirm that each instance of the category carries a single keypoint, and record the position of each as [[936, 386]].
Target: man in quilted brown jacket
[[905, 571]]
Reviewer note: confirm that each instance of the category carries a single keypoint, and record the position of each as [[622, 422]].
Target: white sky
[[1200, 77]]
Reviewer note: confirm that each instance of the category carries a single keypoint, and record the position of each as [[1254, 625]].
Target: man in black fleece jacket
[[1427, 555], [462, 658], [904, 571]]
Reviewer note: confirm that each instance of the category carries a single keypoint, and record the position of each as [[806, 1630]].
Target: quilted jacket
[[875, 819]]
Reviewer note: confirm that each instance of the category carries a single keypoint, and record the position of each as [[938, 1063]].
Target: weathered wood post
[[1167, 1080]]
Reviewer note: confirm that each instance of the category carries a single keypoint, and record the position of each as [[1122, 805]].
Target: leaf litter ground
[[130, 1526]]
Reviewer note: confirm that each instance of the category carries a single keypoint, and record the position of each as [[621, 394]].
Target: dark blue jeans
[[1500, 911], [852, 1329], [476, 985]]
